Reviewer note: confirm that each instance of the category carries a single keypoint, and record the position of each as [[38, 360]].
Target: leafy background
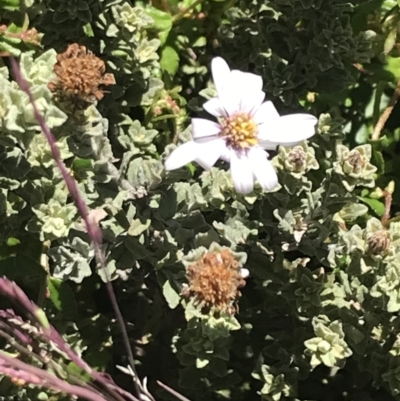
[[318, 316]]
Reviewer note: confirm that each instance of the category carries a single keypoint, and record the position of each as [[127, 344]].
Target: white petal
[[299, 127], [265, 132], [289, 130], [237, 90], [215, 107], [251, 82], [244, 273], [204, 129], [210, 152], [249, 90], [242, 173], [251, 101], [266, 113], [262, 168], [242, 92], [182, 155], [267, 145], [221, 74], [226, 154]]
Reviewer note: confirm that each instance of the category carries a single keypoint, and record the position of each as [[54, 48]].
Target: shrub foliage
[[291, 294]]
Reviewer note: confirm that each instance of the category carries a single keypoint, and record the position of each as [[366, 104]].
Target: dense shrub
[[291, 293]]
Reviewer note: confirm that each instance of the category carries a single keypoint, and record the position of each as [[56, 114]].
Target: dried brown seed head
[[214, 281], [80, 75]]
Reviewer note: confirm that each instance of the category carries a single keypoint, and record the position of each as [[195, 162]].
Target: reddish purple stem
[[8, 315], [92, 226], [11, 290], [30, 374]]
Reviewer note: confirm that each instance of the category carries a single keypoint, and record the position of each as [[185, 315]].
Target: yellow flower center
[[240, 131]]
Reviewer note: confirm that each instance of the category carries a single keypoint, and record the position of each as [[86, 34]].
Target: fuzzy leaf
[[352, 211], [377, 206], [62, 297], [169, 60], [171, 295]]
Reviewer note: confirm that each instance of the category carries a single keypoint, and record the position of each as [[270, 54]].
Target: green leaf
[[390, 41], [377, 206], [40, 315], [138, 227], [27, 266], [200, 42], [42, 396], [107, 273], [169, 60], [352, 211], [98, 359], [8, 269], [13, 241], [171, 295], [9, 4], [146, 173], [162, 22], [201, 363], [79, 164], [393, 66], [62, 297], [75, 371], [378, 161], [72, 261]]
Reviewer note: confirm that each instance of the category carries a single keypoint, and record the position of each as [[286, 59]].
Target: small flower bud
[[378, 242], [390, 187], [356, 160], [324, 347], [157, 111], [376, 194], [355, 167], [297, 157], [311, 97]]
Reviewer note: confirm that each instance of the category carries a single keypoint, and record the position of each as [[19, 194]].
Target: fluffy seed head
[[80, 74], [214, 281]]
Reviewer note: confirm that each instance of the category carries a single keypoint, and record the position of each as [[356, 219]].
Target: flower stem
[[44, 281], [386, 114], [173, 392], [164, 117], [228, 5], [92, 227], [388, 204]]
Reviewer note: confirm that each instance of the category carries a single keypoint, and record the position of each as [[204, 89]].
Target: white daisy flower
[[246, 126]]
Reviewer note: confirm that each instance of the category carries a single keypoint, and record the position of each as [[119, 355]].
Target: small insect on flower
[[246, 127]]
